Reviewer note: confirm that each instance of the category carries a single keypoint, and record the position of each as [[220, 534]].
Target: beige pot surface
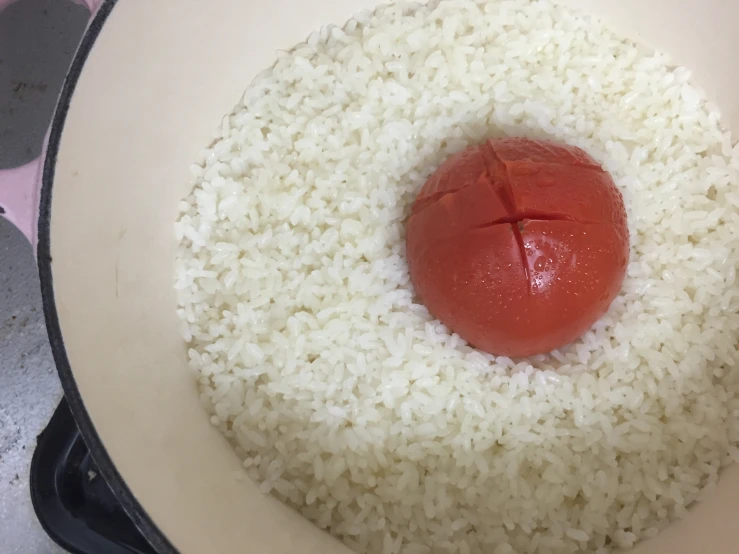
[[157, 82]]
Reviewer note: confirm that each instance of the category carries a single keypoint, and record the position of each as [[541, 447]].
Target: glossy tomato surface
[[518, 245]]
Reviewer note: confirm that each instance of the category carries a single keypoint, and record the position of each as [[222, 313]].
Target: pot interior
[[155, 85]]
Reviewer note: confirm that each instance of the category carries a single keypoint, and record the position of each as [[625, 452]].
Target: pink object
[[91, 5], [19, 191], [20, 186]]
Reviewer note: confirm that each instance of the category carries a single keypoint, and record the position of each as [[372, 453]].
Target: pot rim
[[105, 464]]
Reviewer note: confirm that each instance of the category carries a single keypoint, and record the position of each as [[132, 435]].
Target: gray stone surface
[[37, 41]]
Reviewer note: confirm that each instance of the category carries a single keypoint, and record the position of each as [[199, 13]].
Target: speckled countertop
[[37, 41]]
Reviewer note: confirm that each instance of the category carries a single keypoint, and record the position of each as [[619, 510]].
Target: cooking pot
[[148, 85]]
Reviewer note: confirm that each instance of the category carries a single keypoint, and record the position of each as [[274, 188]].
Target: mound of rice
[[348, 401]]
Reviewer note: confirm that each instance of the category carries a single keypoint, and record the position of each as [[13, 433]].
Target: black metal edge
[[76, 404], [52, 471], [42, 480]]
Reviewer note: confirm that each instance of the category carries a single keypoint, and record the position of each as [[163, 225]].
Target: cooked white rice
[[348, 401]]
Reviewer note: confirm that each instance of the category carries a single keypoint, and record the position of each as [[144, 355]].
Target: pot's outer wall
[[156, 83]]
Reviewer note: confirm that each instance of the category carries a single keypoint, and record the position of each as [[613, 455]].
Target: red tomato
[[518, 245]]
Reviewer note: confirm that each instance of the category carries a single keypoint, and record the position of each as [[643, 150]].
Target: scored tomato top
[[518, 245]]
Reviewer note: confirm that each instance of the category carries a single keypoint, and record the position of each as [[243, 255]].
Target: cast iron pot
[[150, 82]]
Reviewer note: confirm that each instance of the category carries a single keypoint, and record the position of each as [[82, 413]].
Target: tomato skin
[[518, 245]]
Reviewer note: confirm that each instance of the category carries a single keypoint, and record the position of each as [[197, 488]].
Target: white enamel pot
[[150, 82]]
